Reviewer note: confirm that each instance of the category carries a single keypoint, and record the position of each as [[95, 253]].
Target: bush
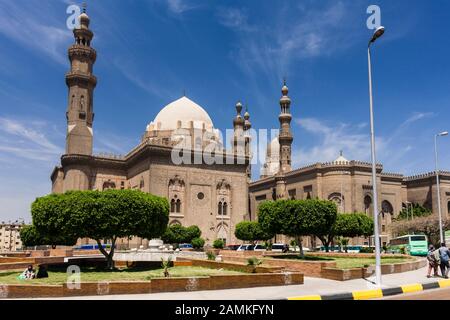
[[211, 256], [253, 262], [177, 234], [218, 244], [367, 250], [198, 243]]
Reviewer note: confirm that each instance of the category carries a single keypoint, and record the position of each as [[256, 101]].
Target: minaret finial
[[284, 80], [84, 7], [341, 153]]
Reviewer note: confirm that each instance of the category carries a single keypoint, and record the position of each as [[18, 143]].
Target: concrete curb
[[377, 293]]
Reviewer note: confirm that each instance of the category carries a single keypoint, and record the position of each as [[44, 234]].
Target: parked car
[[297, 249], [233, 247], [246, 247], [185, 246], [260, 247], [280, 247]]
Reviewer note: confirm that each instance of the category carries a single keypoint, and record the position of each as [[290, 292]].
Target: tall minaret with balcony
[[248, 141], [285, 137], [81, 83], [238, 137]]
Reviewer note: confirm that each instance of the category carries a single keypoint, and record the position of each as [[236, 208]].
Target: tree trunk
[[300, 245], [110, 265]]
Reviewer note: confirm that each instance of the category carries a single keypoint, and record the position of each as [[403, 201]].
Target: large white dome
[[180, 114]]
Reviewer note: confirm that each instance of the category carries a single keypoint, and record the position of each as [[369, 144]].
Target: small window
[[200, 196]]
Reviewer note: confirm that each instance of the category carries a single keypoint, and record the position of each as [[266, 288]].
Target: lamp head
[[445, 133], [378, 33]]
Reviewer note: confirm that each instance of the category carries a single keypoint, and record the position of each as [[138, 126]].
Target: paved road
[[436, 294], [312, 286]]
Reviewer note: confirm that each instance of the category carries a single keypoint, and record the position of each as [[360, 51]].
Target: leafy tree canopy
[[417, 211], [251, 231], [101, 215], [177, 234], [297, 217]]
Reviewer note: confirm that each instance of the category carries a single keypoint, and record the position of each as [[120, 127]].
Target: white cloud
[[26, 140], [331, 139], [33, 27], [397, 151], [179, 6], [233, 18], [291, 34]]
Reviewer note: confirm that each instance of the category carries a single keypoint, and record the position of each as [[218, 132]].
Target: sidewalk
[[312, 286]]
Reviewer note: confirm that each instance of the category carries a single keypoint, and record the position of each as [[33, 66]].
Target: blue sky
[[149, 52]]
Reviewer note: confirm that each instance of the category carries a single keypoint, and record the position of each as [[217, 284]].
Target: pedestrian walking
[[433, 261], [444, 254]]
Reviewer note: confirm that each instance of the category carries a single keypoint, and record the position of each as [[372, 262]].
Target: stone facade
[[214, 197], [10, 237], [348, 183]]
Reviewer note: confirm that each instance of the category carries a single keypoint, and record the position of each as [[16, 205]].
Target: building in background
[[213, 197], [347, 183], [10, 236]]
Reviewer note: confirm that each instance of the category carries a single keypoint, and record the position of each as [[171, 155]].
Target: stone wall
[[154, 286]]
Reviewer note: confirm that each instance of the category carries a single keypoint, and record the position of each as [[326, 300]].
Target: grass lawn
[[348, 263], [59, 276]]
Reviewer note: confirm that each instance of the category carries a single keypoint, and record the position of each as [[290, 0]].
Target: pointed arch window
[[172, 205], [225, 209], [219, 208], [178, 206]]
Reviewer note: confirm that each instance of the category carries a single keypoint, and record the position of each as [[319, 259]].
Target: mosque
[[216, 196]]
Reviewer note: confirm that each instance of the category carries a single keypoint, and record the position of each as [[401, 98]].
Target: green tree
[[177, 234], [198, 243], [218, 244], [417, 211], [427, 225], [101, 215], [348, 225], [31, 237], [251, 231], [297, 218]]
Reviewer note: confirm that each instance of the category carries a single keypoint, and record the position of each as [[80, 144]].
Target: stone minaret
[[238, 126], [81, 83], [248, 140], [285, 137]]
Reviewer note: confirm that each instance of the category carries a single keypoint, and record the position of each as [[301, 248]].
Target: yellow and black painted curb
[[377, 293]]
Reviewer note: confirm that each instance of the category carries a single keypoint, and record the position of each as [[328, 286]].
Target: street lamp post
[[441, 231], [377, 34]]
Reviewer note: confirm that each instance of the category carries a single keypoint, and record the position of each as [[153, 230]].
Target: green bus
[[415, 245]]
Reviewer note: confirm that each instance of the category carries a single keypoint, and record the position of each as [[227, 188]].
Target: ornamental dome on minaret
[[285, 90], [84, 21], [238, 120], [247, 123]]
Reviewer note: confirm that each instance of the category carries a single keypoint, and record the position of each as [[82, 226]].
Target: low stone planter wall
[[22, 263], [232, 266], [15, 254], [61, 253], [328, 270], [16, 259], [76, 252], [353, 255], [308, 268], [40, 253], [153, 286], [358, 273], [14, 266]]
